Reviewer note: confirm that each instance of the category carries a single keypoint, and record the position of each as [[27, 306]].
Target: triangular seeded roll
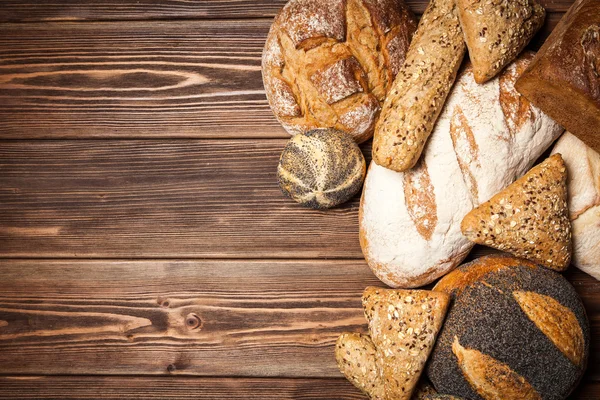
[[356, 358], [497, 31], [529, 218], [403, 325]]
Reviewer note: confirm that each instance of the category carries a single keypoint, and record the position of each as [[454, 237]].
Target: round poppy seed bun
[[321, 168], [514, 331]]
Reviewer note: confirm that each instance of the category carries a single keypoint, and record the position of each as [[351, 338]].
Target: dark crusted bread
[[321, 168], [514, 331], [563, 80], [330, 63]]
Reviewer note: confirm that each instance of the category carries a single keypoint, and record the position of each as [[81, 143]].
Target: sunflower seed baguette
[[420, 88]]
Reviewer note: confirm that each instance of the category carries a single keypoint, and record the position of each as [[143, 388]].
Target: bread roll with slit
[[487, 136]]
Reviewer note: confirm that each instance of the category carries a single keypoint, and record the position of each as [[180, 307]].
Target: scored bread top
[[331, 63]]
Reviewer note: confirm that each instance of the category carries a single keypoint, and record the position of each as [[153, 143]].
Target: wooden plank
[[212, 318], [135, 79], [158, 198], [74, 10], [193, 79], [178, 388], [206, 318]]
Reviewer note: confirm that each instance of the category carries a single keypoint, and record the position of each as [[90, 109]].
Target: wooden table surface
[[145, 249]]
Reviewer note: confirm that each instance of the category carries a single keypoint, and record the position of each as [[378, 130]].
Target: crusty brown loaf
[[330, 63], [420, 88], [564, 77], [356, 358], [514, 331], [497, 31]]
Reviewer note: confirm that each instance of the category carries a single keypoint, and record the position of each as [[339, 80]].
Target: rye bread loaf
[[583, 166], [515, 330], [564, 78], [330, 64], [420, 88], [487, 136], [321, 168], [497, 31]]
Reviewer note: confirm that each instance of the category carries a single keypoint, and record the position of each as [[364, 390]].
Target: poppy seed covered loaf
[[515, 330], [321, 168]]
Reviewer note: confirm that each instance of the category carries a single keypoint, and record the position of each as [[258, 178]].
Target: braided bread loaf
[[330, 63], [486, 137]]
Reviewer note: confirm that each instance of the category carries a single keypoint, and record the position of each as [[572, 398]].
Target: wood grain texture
[[209, 318], [160, 79], [179, 388], [134, 79], [212, 318], [158, 198], [74, 10]]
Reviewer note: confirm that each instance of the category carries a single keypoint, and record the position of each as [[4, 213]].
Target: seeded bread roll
[[514, 331], [420, 88], [321, 168], [356, 358], [497, 31], [529, 219], [330, 63], [563, 80]]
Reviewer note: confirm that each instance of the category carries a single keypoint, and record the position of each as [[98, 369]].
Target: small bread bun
[[515, 330], [321, 168]]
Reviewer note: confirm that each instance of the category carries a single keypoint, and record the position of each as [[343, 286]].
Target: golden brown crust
[[403, 325], [564, 78], [497, 31], [456, 281], [330, 64], [490, 378], [556, 321], [529, 218], [420, 199], [420, 88]]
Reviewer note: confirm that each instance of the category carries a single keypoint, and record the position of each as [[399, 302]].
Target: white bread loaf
[[486, 137], [583, 168]]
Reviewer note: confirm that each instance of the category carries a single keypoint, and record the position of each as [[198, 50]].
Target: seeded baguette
[[420, 88]]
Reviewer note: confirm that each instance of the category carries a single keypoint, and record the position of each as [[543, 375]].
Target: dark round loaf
[[514, 331], [321, 168], [330, 63]]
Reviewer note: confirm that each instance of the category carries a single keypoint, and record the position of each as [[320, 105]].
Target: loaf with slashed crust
[[330, 64], [486, 137], [564, 78], [420, 88], [583, 180]]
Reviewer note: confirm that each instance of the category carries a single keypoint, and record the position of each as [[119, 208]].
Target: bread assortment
[[330, 63], [321, 168], [420, 88], [583, 178], [514, 331], [497, 31], [564, 78], [453, 152], [486, 137], [529, 218]]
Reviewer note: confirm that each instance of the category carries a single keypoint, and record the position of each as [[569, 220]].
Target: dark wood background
[[145, 250]]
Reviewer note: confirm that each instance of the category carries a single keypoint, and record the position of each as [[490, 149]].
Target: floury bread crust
[[486, 137], [583, 167]]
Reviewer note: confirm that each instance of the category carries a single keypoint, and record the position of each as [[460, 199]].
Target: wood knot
[[171, 368], [163, 302], [193, 321]]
